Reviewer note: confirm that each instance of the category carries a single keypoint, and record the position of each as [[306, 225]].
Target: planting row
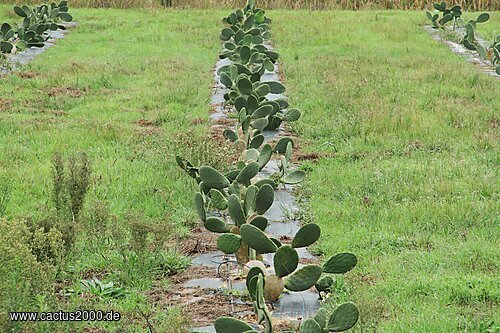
[[34, 30], [443, 15], [233, 202]]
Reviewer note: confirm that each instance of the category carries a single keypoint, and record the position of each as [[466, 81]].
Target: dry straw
[[271, 4]]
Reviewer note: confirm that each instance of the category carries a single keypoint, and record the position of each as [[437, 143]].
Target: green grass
[[87, 94], [411, 183]]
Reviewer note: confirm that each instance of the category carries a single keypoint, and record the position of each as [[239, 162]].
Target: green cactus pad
[[259, 221], [245, 86], [256, 239], [310, 326], [282, 144], [276, 87], [343, 318], [260, 123], [248, 172], [325, 283], [218, 199], [265, 155], [322, 317], [213, 178], [254, 271], [236, 210], [200, 206], [230, 135], [257, 141], [306, 235], [292, 115], [262, 111], [262, 182], [249, 202], [286, 260], [229, 243], [304, 278], [264, 199], [340, 263], [294, 177], [216, 224], [231, 325]]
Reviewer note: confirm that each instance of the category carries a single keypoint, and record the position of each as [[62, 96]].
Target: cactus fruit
[[256, 239], [213, 178], [273, 288], [236, 210], [200, 206], [264, 199], [343, 318], [310, 326], [340, 263], [228, 243], [306, 235], [216, 224], [285, 260], [304, 278], [231, 325]]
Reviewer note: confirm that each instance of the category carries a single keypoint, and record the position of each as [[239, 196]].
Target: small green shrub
[[22, 276]]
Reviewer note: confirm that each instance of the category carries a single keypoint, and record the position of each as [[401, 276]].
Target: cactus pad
[[235, 210], [231, 325], [306, 235], [200, 206], [264, 199], [256, 239], [213, 178], [304, 278], [216, 224], [229, 243], [310, 326], [343, 318], [286, 260], [340, 263]]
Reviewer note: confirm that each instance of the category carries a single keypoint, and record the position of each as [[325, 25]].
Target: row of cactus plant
[[443, 14], [234, 203], [33, 32]]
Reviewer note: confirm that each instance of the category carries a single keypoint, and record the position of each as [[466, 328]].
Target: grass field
[[407, 181]]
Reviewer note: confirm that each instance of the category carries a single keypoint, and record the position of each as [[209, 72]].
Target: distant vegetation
[[291, 4]]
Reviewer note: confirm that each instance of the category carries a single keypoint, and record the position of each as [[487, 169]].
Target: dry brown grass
[[289, 4]]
